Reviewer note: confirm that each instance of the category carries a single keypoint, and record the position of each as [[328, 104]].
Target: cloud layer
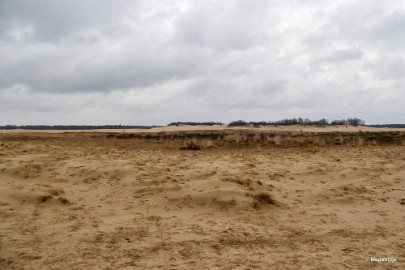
[[153, 62]]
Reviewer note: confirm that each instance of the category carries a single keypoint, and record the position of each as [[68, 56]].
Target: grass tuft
[[264, 198], [191, 145]]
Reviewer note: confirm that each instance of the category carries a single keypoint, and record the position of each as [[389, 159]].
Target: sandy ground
[[76, 201]]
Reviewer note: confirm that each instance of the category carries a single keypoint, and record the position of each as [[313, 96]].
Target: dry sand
[[83, 201]]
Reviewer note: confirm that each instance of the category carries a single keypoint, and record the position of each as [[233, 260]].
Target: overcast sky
[[154, 62]]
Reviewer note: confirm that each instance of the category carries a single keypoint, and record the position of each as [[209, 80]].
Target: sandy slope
[[77, 202]]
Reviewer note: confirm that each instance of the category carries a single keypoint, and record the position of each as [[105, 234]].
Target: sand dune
[[88, 201]]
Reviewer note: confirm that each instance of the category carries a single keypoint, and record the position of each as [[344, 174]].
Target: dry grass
[[191, 145], [264, 198]]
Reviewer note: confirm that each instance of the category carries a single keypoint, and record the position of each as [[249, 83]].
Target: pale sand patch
[[294, 128]]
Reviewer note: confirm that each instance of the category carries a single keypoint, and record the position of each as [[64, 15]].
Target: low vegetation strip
[[196, 140]]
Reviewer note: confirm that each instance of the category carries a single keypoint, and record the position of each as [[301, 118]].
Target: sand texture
[[242, 201]]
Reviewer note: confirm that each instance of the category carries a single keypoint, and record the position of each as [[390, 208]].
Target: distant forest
[[72, 127], [388, 126], [284, 122]]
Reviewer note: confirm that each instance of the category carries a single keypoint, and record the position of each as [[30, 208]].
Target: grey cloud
[[53, 20], [369, 24], [389, 28], [152, 62], [345, 55], [389, 68], [232, 25]]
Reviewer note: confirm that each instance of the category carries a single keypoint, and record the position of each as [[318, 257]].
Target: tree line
[[388, 126], [299, 121]]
